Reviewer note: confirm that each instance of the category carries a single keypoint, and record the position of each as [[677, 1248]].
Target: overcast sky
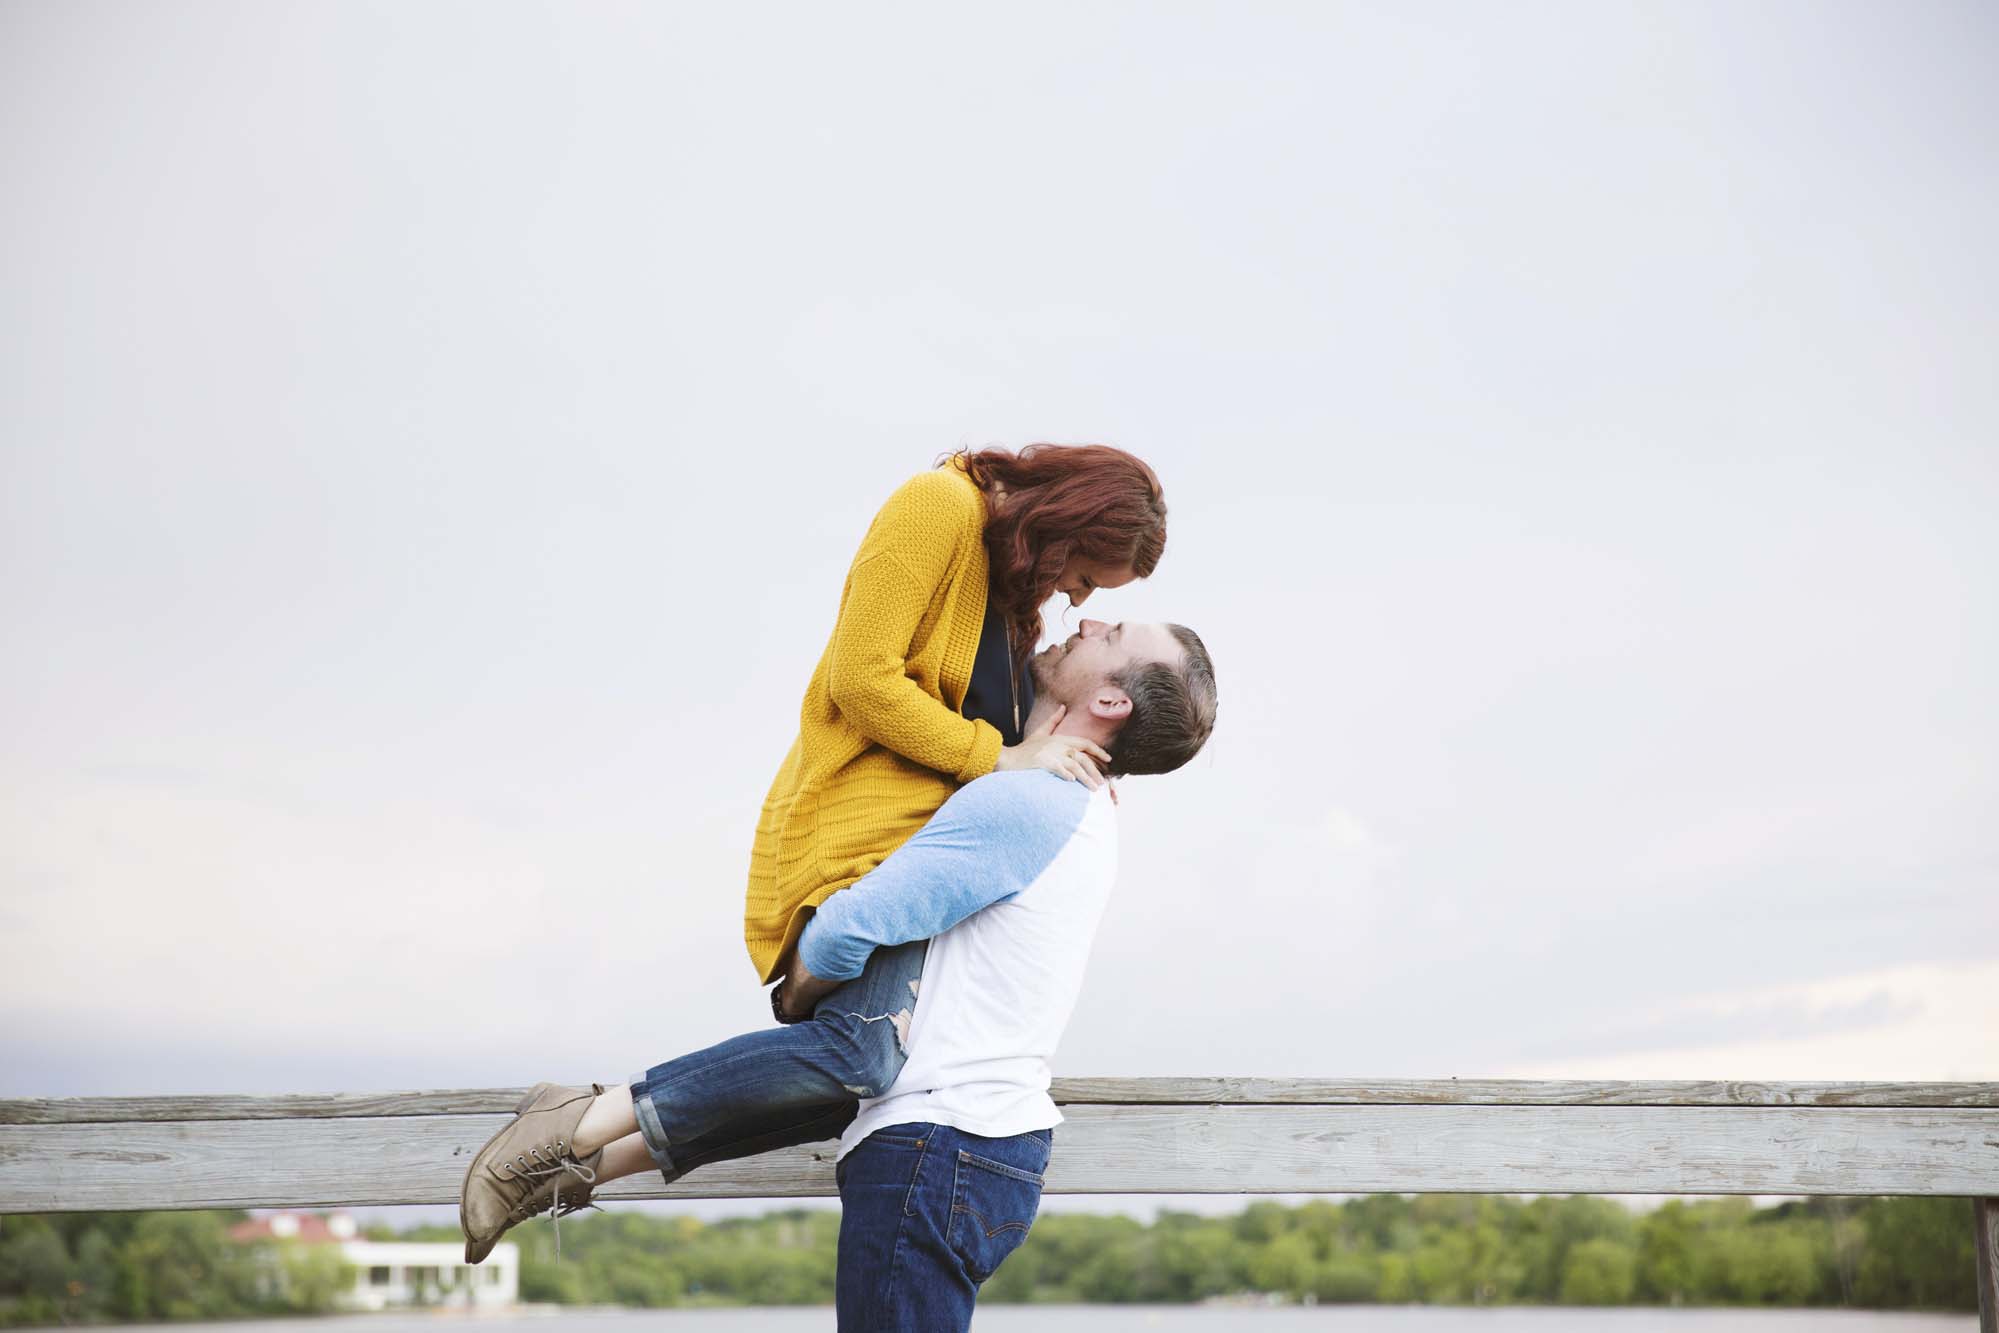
[[435, 435]]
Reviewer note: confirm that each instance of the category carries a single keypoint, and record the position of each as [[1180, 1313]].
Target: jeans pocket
[[992, 1207], [888, 1161]]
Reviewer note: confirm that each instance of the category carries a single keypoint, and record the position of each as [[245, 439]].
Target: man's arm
[[991, 840]]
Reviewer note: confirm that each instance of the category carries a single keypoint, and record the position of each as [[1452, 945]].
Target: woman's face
[[1079, 578]]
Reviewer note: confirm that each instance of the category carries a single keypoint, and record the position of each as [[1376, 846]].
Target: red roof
[[311, 1229]]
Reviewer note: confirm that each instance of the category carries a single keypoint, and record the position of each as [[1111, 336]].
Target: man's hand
[[800, 993]]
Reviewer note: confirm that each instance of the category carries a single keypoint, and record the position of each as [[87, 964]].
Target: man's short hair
[[1172, 710]]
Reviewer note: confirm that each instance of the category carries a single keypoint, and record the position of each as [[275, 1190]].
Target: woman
[[924, 682], [922, 687]]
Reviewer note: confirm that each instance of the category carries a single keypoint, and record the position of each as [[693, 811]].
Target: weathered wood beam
[[1511, 1092], [1216, 1091], [1250, 1149], [1985, 1211]]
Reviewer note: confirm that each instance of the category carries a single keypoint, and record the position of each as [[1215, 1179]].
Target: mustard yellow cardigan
[[881, 744]]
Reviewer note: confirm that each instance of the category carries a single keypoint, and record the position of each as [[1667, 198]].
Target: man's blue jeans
[[927, 1213], [783, 1085]]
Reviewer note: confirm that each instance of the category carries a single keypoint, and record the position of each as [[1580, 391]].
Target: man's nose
[[1091, 629]]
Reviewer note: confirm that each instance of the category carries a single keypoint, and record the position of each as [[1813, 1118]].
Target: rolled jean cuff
[[650, 1128]]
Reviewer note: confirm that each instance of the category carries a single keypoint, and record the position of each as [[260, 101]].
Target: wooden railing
[[1120, 1136]]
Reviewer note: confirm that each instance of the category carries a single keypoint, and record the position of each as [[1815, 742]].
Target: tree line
[[96, 1268], [1878, 1253]]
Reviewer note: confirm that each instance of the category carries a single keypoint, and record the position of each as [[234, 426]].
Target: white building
[[391, 1274]]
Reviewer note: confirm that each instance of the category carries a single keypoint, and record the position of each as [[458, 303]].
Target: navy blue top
[[988, 696]]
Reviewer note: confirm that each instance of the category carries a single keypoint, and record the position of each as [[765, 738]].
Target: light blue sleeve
[[992, 839]]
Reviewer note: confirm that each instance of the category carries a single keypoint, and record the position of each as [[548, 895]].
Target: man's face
[[1072, 672]]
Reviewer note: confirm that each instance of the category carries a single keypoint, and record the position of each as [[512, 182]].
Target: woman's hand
[[793, 999], [1065, 756]]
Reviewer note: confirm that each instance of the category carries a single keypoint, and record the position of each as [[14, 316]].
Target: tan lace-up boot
[[529, 1167]]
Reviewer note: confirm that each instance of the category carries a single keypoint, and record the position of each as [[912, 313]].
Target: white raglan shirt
[[1023, 863]]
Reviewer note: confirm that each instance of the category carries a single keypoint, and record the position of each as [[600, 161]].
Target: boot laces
[[559, 1167]]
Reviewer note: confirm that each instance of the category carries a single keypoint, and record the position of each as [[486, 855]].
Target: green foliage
[[1467, 1249], [1599, 1272], [83, 1268], [1463, 1249], [314, 1277], [1917, 1253]]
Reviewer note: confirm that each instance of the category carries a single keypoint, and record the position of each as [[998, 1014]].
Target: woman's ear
[[1110, 703]]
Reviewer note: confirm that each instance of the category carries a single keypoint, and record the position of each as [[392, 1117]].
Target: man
[[940, 1174]]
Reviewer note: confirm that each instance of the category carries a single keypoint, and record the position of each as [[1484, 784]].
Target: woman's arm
[[868, 675], [905, 559]]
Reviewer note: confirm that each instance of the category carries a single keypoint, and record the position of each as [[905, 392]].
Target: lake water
[[1152, 1319]]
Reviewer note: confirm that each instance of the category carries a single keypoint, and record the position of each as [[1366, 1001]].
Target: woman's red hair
[[1063, 500]]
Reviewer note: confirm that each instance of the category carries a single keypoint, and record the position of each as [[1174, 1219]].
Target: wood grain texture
[[1511, 1092], [1986, 1212], [1069, 1092], [288, 1106], [1099, 1149]]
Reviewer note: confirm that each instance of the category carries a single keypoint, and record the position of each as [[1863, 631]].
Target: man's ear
[[1110, 703]]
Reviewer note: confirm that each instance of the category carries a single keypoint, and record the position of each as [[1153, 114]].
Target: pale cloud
[[1914, 1022]]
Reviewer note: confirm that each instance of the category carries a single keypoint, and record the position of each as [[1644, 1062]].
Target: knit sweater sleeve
[[905, 559]]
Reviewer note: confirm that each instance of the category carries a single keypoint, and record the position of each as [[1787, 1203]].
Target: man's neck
[[1075, 722], [1043, 709]]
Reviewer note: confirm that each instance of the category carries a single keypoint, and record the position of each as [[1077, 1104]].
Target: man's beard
[[1042, 664]]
